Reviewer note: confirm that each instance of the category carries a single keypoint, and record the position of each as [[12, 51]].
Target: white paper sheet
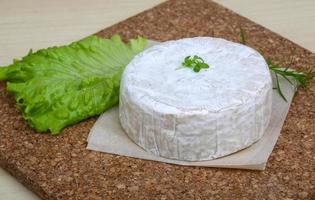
[[107, 136]]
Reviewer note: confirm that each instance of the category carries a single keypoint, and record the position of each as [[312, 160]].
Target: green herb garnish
[[242, 36], [302, 77], [60, 86], [194, 62]]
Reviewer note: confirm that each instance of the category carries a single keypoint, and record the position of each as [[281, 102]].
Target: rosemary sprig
[[302, 77], [195, 62]]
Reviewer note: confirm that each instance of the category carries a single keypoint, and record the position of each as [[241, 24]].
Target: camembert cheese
[[194, 116]]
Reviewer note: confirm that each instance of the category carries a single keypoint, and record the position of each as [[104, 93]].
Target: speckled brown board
[[61, 168]]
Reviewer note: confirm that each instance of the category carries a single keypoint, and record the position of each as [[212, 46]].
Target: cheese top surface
[[236, 75]]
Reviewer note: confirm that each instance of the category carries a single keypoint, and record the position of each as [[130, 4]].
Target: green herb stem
[[242, 36]]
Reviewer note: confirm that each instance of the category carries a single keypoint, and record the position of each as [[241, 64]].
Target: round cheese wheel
[[194, 116]]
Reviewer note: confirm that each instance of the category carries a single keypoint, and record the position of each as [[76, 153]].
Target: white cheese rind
[[180, 114]]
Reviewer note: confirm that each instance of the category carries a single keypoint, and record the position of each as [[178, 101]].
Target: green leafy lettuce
[[60, 86]]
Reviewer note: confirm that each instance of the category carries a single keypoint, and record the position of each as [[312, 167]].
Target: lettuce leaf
[[60, 86]]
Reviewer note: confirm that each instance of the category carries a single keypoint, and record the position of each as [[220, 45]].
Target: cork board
[[61, 168]]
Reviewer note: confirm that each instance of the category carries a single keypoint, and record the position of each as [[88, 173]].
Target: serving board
[[61, 167]]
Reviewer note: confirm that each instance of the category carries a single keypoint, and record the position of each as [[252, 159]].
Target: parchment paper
[[107, 136]]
